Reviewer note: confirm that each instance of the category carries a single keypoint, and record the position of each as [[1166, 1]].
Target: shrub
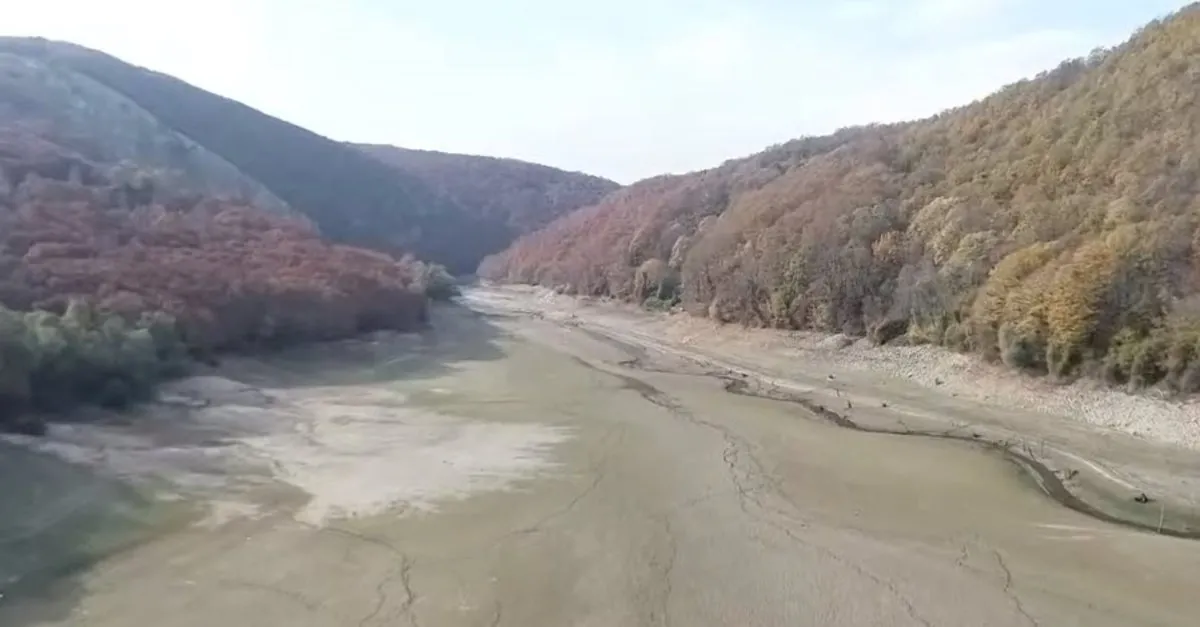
[[1021, 349], [1062, 359], [1137, 359], [1181, 353], [888, 330], [956, 337], [654, 303], [1147, 366], [51, 363], [437, 282]]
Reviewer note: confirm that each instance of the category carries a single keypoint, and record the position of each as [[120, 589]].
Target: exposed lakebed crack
[[497, 614], [1008, 589], [300, 599], [749, 484], [400, 571], [598, 471], [750, 481], [668, 571], [1049, 481]]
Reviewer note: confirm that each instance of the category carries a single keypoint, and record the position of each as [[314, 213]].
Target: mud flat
[[1107, 447], [523, 466]]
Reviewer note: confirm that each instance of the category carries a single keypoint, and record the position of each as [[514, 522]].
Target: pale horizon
[[625, 90]]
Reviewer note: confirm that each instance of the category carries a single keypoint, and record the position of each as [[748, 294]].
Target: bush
[[1136, 358], [1172, 355], [956, 337], [1062, 359], [654, 303], [51, 363], [437, 282], [1021, 350], [888, 330]]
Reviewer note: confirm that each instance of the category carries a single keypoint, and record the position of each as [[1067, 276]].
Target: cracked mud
[[672, 502]]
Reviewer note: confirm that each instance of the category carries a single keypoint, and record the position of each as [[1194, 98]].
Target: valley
[[929, 373], [513, 465]]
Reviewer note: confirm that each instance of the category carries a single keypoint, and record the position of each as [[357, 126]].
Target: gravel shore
[[1148, 415]]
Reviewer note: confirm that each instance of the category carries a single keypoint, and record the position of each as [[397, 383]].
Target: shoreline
[[1099, 483], [1146, 414], [499, 442]]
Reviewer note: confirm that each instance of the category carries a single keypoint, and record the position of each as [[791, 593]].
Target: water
[[57, 518]]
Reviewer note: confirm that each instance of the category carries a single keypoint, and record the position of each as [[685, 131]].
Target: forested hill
[[105, 284], [110, 110], [523, 196], [1054, 225]]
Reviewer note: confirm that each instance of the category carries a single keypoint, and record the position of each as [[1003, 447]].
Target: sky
[[619, 88]]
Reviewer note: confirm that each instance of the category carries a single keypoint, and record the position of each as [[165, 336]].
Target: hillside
[[108, 128], [1054, 225], [108, 109], [102, 283], [523, 196]]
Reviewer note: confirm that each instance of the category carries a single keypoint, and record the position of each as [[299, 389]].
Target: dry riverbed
[[536, 461]]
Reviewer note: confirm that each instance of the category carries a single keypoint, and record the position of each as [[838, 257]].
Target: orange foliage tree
[[231, 275]]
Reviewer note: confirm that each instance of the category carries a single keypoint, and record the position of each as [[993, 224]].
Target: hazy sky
[[621, 88]]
